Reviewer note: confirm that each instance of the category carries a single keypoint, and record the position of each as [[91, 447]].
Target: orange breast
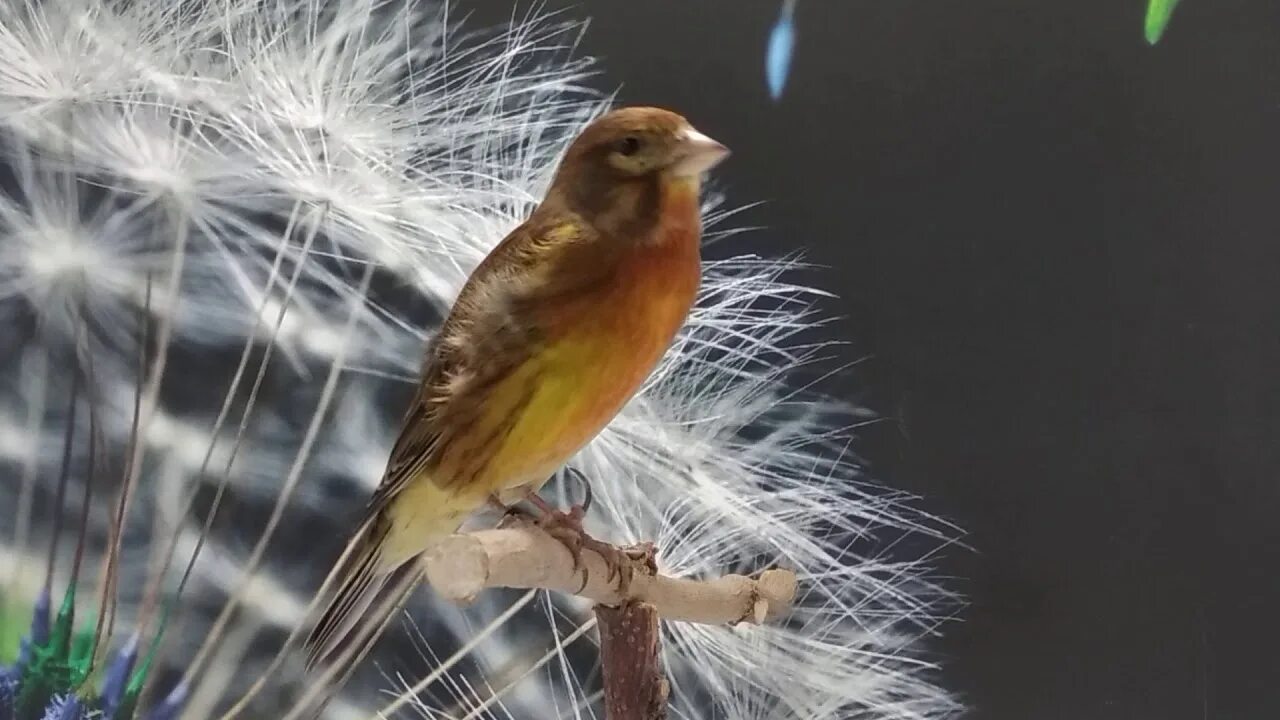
[[616, 336], [654, 286]]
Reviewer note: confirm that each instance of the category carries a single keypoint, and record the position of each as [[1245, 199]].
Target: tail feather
[[374, 578], [367, 596]]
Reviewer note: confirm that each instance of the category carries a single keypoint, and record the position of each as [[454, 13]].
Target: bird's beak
[[696, 153]]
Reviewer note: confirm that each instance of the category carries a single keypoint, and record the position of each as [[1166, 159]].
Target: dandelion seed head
[[56, 253], [280, 194]]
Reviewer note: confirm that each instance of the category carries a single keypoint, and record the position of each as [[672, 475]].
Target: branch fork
[[629, 603]]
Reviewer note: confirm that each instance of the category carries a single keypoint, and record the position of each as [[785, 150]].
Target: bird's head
[[618, 169], [641, 142]]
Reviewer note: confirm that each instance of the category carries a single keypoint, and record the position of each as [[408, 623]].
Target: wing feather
[[489, 336]]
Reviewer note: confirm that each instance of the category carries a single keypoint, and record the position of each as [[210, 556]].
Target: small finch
[[551, 335]]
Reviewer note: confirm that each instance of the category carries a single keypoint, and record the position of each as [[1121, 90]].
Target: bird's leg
[[510, 512], [542, 505]]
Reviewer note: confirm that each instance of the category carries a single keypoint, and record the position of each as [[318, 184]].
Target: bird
[[552, 333]]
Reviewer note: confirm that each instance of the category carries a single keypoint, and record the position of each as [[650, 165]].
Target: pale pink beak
[[697, 153]]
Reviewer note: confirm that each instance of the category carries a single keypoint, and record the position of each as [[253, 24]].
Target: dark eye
[[629, 145]]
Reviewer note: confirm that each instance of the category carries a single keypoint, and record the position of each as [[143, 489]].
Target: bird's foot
[[566, 526], [643, 554]]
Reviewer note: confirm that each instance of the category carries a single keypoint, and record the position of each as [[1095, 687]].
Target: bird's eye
[[629, 145]]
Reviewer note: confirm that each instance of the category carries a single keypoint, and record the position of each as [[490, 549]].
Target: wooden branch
[[460, 566], [634, 687]]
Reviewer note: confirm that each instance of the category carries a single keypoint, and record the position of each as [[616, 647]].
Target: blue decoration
[[171, 707], [67, 707], [782, 41], [117, 678]]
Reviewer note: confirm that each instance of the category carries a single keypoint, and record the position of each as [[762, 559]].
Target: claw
[[588, 495], [570, 538], [617, 561], [566, 527]]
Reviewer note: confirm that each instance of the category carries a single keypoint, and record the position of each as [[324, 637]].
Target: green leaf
[[82, 648], [1158, 14], [15, 621], [49, 673]]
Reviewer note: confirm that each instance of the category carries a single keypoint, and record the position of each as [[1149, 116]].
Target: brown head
[[621, 161]]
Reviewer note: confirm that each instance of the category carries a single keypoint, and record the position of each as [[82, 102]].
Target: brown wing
[[489, 333]]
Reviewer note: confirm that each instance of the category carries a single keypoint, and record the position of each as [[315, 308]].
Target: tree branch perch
[[460, 566]]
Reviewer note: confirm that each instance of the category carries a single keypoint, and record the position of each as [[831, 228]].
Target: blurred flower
[[1159, 12], [226, 229], [782, 44]]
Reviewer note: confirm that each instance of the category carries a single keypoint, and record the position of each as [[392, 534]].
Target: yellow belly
[[549, 409], [585, 381]]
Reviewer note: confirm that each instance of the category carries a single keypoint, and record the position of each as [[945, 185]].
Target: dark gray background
[[1061, 249]]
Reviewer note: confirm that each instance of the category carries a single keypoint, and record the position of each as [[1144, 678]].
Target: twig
[[460, 566]]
